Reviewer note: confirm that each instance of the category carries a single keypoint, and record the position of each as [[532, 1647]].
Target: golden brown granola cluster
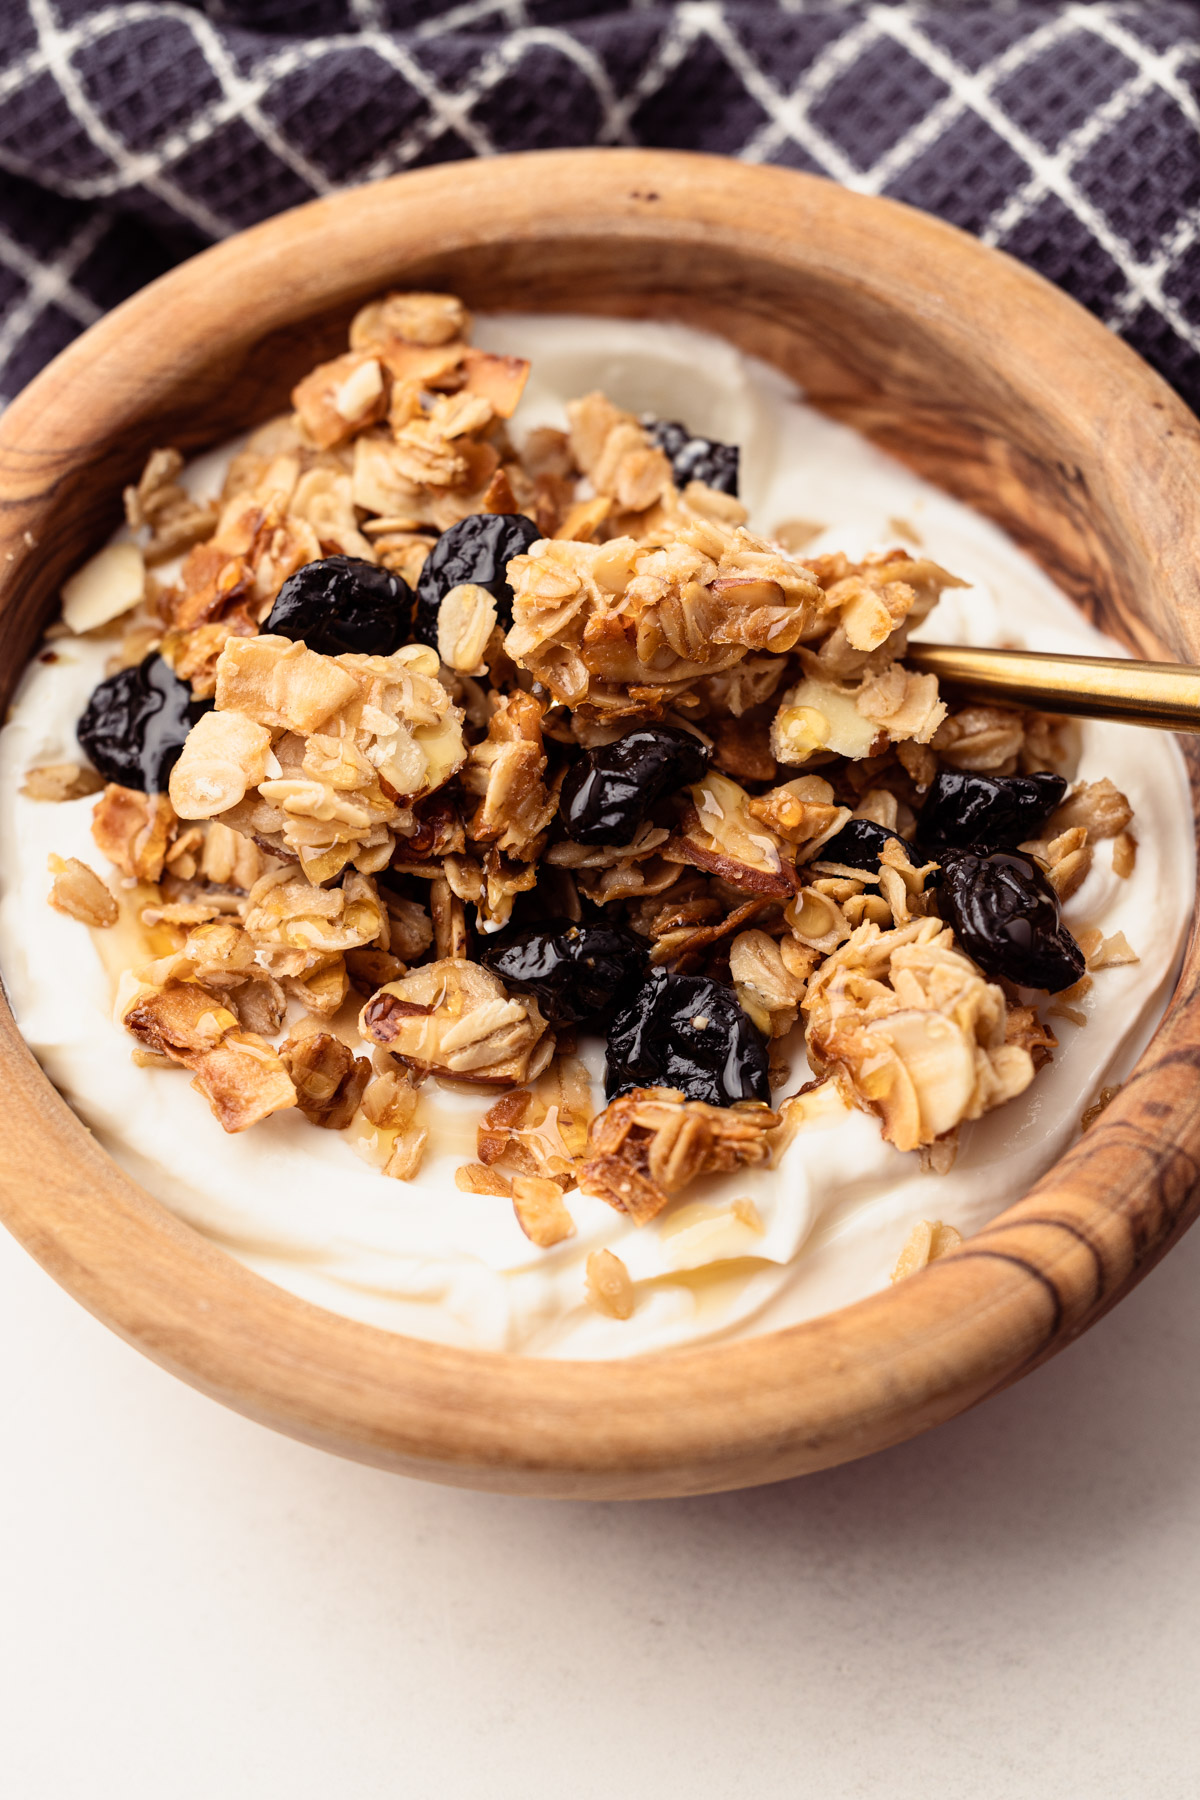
[[304, 887]]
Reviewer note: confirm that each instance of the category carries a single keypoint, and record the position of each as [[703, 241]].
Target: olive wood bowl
[[975, 372]]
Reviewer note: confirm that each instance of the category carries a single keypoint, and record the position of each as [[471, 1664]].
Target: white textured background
[[192, 1607]]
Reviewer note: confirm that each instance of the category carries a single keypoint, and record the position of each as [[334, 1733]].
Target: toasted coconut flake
[[584, 519], [500, 380], [341, 397], [281, 685], [239, 1074]]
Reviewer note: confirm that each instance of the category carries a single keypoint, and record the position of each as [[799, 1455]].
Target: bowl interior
[[971, 370]]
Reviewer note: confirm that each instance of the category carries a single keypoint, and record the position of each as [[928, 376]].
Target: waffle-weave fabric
[[131, 134]]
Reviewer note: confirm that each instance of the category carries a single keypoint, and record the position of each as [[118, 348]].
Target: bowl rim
[[791, 1400]]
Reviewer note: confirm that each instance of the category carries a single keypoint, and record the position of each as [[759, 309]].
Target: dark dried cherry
[[695, 458], [859, 845], [135, 723], [343, 605], [1005, 915], [610, 790], [574, 972], [685, 1031], [966, 808], [478, 549]]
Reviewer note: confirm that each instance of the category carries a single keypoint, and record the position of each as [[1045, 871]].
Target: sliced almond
[[720, 834], [109, 584], [818, 715]]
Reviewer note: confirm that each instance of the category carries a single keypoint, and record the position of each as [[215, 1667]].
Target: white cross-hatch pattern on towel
[[132, 134]]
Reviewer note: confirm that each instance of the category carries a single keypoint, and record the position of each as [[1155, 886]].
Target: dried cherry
[[859, 845], [1001, 811], [574, 972], [610, 790], [1005, 915], [477, 549], [695, 458], [133, 727], [343, 605], [685, 1031]]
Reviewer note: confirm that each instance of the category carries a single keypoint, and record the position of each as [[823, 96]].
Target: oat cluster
[[341, 832]]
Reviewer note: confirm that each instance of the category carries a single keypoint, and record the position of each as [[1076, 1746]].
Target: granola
[[649, 1145], [347, 823]]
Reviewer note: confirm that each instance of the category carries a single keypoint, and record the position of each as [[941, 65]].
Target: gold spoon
[[1096, 687]]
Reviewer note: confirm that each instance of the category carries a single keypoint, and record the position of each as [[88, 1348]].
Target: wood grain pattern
[[974, 371]]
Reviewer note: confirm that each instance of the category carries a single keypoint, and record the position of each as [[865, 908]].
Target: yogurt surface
[[299, 1205]]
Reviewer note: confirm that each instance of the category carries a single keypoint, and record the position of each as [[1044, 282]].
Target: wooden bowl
[[975, 372]]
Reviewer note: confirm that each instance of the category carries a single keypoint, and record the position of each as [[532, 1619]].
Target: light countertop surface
[[194, 1607]]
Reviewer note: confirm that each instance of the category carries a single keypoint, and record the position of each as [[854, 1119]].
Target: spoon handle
[[1096, 687]]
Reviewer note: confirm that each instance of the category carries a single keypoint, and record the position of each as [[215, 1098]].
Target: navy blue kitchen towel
[[132, 134]]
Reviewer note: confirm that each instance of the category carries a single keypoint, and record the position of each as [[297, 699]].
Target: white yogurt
[[298, 1205]]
